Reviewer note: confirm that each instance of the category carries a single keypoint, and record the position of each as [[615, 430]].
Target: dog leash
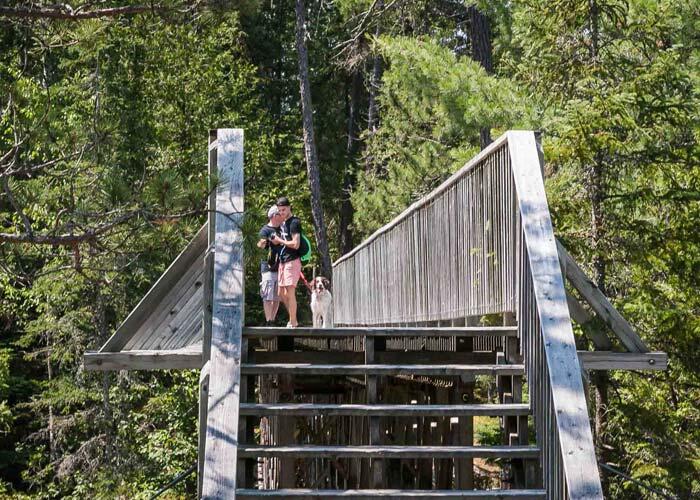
[[303, 278]]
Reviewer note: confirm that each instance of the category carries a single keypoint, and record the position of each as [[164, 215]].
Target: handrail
[[557, 395], [498, 254]]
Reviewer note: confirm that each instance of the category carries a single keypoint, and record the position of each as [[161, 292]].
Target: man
[[290, 260], [269, 266]]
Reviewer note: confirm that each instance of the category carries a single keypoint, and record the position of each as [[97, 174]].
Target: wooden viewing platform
[[385, 405]]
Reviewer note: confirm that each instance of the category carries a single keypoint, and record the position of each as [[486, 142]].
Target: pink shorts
[[288, 273]]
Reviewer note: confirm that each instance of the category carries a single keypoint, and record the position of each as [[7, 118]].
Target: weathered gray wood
[[493, 410], [381, 357], [600, 304], [583, 318], [227, 320], [188, 257], [306, 369], [367, 494], [449, 182], [178, 359], [202, 425], [567, 394], [605, 360], [485, 331], [156, 326], [311, 451]]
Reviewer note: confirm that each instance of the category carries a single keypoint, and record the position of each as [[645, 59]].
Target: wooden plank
[[227, 321], [600, 304], [178, 359], [312, 451], [606, 360], [143, 310], [202, 425], [567, 394], [394, 410], [480, 331], [307, 369], [381, 357], [155, 327], [367, 494]]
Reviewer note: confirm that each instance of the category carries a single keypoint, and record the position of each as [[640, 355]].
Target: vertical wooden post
[[202, 438], [220, 454], [207, 291], [464, 394], [515, 427], [375, 431], [287, 428]]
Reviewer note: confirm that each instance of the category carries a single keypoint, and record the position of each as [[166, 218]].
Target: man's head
[[284, 207], [272, 213]]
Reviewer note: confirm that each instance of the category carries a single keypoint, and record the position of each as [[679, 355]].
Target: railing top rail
[[567, 393], [429, 197]]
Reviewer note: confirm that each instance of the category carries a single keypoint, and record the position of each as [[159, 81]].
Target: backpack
[[304, 249]]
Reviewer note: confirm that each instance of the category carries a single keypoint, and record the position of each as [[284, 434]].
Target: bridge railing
[[482, 243]]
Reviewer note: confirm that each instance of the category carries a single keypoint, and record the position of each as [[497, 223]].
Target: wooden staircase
[[363, 367]]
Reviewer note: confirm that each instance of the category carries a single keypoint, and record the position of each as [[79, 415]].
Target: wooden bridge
[[459, 309]]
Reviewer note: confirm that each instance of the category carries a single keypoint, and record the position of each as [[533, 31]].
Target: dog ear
[[326, 283]]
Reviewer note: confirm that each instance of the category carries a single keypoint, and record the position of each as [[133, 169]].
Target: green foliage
[[113, 117], [432, 107]]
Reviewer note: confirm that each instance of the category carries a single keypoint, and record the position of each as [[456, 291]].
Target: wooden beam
[[384, 410], [566, 395], [309, 369], [369, 494], [606, 360], [395, 451], [144, 309], [584, 318], [381, 357], [477, 331], [178, 359], [191, 358], [600, 303], [219, 479]]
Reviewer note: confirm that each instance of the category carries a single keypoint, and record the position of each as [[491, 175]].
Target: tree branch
[[66, 12], [90, 234]]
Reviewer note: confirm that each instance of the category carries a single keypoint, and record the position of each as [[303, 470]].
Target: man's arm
[[293, 243]]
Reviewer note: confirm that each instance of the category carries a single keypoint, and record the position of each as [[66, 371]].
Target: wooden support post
[[203, 404], [375, 431], [221, 446], [514, 427], [287, 425], [444, 472], [207, 301], [464, 394]]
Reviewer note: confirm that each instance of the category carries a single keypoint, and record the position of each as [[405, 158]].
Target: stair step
[[245, 494], [313, 369], [377, 410], [313, 451], [472, 331]]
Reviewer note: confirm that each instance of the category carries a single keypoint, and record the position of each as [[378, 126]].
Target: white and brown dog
[[321, 303]]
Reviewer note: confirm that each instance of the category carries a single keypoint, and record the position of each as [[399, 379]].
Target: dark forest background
[[104, 118]]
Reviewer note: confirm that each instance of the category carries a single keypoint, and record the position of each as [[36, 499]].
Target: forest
[[105, 108]]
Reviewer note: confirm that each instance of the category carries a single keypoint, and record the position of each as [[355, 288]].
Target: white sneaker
[[289, 325]]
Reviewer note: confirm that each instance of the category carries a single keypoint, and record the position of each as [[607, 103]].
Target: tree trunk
[[480, 39], [346, 210], [597, 191], [310, 141], [375, 82]]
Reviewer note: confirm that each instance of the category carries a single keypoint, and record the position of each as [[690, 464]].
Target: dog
[[321, 303]]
